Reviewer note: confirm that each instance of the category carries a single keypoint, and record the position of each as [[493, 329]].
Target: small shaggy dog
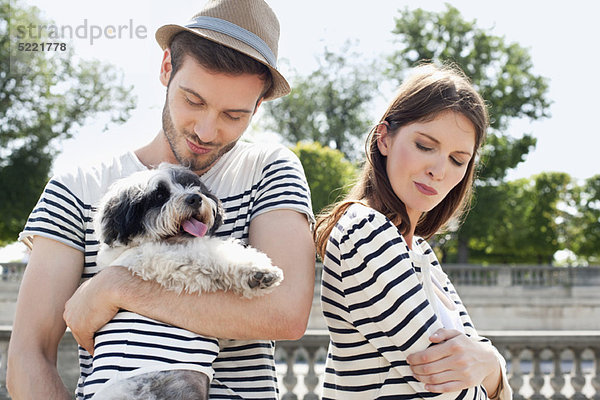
[[158, 223]]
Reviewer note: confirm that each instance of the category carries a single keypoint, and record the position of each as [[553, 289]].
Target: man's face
[[206, 113]]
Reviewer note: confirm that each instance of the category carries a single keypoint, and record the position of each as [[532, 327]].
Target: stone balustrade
[[541, 364], [522, 275]]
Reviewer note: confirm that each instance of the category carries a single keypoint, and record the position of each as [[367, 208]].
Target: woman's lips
[[426, 190], [197, 149]]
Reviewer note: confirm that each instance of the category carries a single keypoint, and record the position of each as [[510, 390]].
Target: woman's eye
[[421, 147], [457, 162]]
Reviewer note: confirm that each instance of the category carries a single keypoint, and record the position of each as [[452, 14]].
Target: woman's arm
[[389, 307], [457, 362], [496, 385]]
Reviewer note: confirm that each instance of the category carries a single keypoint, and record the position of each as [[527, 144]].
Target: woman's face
[[425, 160]]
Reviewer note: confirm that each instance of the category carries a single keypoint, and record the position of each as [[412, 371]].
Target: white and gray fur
[[139, 225]]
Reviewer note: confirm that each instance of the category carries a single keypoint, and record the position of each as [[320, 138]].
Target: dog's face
[[167, 203]]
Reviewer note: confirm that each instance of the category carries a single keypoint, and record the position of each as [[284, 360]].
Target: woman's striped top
[[378, 313]]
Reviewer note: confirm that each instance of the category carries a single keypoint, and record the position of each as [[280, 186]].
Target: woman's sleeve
[[385, 298]]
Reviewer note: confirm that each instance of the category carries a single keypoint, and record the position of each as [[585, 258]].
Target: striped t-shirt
[[251, 179], [377, 311]]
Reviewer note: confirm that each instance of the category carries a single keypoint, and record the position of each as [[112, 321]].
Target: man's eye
[[192, 102], [231, 117]]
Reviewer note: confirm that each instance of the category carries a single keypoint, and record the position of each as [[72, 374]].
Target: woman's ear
[[381, 130]]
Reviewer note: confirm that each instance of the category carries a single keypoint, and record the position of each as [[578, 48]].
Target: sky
[[560, 36]]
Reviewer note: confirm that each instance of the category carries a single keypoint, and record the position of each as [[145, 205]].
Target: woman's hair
[[429, 91], [217, 58]]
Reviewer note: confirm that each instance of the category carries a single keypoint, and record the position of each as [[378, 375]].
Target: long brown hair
[[429, 91]]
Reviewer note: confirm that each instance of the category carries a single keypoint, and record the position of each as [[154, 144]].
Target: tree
[[585, 227], [501, 72], [328, 106], [529, 223], [44, 98], [328, 172]]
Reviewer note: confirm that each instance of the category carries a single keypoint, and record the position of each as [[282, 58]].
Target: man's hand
[[455, 363], [90, 307]]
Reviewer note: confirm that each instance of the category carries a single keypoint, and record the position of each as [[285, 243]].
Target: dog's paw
[[264, 279], [260, 281]]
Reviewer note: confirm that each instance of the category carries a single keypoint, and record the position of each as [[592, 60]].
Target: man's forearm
[[31, 377], [282, 314], [218, 314]]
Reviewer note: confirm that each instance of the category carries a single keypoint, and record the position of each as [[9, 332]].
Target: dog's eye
[[161, 193]]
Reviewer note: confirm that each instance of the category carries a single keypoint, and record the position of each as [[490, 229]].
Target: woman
[[385, 297]]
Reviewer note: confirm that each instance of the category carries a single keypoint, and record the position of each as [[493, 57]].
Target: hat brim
[[165, 34]]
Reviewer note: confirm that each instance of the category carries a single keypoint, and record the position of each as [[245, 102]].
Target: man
[[217, 69]]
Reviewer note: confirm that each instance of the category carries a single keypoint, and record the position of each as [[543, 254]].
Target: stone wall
[[497, 297]]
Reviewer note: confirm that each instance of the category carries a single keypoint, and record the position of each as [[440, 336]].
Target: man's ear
[[383, 138], [166, 67], [258, 103]]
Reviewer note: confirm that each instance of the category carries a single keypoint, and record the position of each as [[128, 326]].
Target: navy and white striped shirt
[[378, 313], [251, 179]]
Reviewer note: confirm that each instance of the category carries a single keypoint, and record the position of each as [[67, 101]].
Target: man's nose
[[206, 128]]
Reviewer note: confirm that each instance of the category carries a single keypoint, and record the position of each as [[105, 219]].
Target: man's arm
[[284, 235], [51, 277]]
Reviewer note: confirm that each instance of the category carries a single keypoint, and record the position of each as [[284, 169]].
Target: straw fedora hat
[[248, 26]]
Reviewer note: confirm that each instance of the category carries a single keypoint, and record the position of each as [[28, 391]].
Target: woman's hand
[[455, 363], [92, 305]]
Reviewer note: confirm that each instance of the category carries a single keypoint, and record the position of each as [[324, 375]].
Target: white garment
[[450, 318]]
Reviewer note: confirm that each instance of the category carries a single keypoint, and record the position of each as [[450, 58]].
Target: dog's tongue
[[195, 227]]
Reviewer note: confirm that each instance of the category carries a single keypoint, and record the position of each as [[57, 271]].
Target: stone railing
[[460, 275], [522, 275], [517, 275], [541, 364], [11, 272]]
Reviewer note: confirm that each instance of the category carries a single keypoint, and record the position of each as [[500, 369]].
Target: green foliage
[[584, 229], [328, 106], [44, 98], [502, 73], [328, 172], [528, 218]]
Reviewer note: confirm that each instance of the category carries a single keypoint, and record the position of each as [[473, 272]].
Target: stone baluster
[[311, 380], [3, 356], [289, 379], [577, 378], [557, 380], [596, 377], [516, 375], [537, 378]]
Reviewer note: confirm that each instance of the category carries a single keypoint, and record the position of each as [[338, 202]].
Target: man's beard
[[172, 135]]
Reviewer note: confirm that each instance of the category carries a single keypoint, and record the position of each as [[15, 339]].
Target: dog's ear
[[122, 218], [218, 214]]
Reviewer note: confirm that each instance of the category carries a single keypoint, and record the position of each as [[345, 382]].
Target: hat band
[[236, 32]]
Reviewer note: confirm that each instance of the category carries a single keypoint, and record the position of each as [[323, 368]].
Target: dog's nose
[[193, 200]]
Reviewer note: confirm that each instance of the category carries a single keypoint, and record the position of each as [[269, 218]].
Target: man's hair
[[430, 91], [216, 58]]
